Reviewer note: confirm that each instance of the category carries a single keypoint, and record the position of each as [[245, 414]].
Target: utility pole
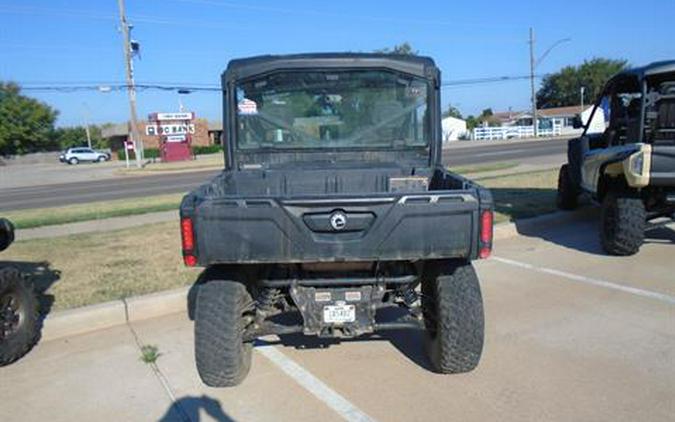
[[534, 98], [131, 87]]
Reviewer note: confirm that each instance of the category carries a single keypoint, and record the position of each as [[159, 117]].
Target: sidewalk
[[100, 376]]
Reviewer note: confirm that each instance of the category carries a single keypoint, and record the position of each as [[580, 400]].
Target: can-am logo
[[338, 220]]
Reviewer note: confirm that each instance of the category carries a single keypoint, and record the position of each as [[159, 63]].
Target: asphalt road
[[571, 334], [134, 187]]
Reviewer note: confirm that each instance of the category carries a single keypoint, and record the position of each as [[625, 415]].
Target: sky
[[189, 42]]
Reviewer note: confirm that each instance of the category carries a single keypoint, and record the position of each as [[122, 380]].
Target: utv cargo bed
[[384, 226]]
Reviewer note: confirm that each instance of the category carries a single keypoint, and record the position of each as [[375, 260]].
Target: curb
[[110, 314]]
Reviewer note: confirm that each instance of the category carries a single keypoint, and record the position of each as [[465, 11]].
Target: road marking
[[588, 280], [314, 385]]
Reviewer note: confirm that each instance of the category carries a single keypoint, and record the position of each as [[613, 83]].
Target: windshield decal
[[247, 107]]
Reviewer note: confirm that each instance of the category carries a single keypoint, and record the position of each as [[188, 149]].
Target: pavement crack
[[163, 380]]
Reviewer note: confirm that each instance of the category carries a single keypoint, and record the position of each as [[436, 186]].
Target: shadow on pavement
[[187, 409], [410, 342], [583, 234]]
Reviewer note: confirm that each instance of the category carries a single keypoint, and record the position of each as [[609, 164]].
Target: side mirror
[[577, 123]]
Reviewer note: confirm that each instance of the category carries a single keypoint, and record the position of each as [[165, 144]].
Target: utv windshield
[[339, 109]]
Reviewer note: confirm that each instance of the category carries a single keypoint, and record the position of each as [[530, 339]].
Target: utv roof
[[414, 65], [651, 69]]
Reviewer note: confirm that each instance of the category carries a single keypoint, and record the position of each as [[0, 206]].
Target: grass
[[100, 267], [24, 219], [149, 353], [483, 168], [522, 195]]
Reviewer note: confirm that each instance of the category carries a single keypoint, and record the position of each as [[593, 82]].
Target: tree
[[563, 88], [76, 136], [471, 122], [452, 111], [486, 117], [404, 49], [26, 124]]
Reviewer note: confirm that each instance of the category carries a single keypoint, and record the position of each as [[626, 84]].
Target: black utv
[[334, 205], [629, 168], [19, 309]]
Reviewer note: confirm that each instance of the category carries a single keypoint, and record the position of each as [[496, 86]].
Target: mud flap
[[576, 151], [337, 312]]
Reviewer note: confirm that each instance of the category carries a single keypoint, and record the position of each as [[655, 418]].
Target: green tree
[[452, 111], [471, 122], [404, 48], [26, 124], [76, 136], [563, 88]]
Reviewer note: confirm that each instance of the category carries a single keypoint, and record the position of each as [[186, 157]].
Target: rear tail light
[[188, 241], [485, 244]]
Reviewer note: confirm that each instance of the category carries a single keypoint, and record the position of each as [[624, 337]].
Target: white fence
[[508, 132]]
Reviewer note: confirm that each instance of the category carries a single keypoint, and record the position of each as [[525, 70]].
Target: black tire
[[568, 193], [6, 233], [223, 359], [622, 225], [19, 316], [102, 159], [73, 161], [453, 315]]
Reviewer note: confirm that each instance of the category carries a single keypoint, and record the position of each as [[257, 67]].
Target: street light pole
[[532, 93], [533, 65], [131, 87], [582, 98], [86, 125]]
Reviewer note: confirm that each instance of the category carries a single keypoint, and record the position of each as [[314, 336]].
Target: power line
[[67, 87]]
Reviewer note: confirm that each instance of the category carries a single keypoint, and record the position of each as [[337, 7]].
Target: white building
[[453, 128]]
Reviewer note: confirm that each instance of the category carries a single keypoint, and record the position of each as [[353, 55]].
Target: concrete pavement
[[571, 334]]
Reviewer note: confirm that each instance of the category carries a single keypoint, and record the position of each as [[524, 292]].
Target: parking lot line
[[588, 280], [313, 385]]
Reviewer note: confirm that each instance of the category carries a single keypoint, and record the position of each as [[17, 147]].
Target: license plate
[[339, 313]]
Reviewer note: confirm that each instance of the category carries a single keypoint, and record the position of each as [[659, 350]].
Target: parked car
[[334, 216], [629, 168], [81, 154]]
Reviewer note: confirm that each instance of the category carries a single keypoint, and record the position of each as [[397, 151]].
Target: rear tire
[[453, 315], [567, 198], [623, 222], [223, 359], [19, 316]]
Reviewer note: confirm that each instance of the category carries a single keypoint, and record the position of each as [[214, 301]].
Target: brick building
[[205, 133]]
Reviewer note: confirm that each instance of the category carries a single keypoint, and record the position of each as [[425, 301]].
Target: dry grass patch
[[100, 267]]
